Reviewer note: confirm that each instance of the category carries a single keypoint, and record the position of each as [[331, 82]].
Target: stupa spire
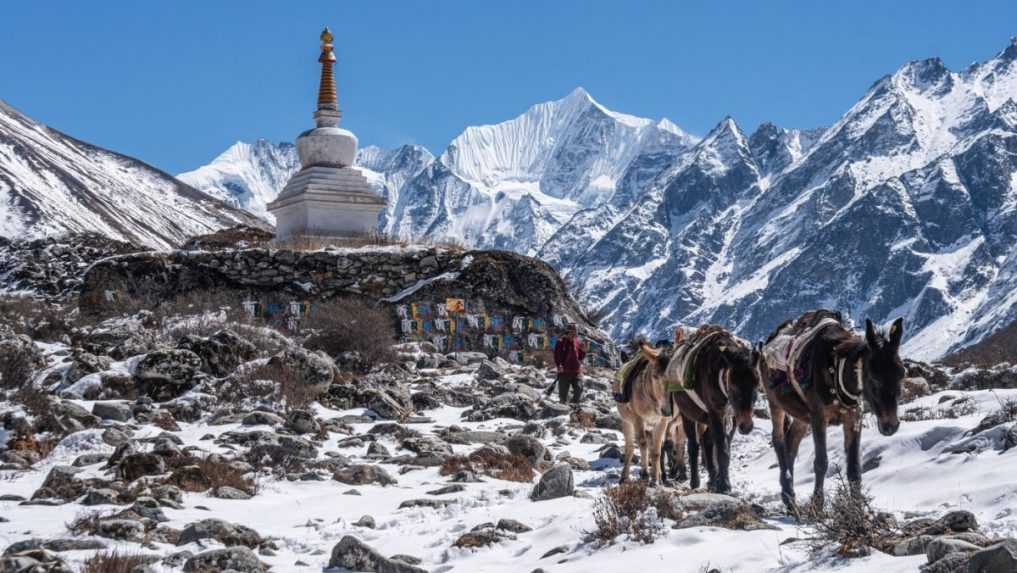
[[328, 113]]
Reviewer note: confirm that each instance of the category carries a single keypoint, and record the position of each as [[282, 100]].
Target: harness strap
[[849, 398], [696, 399], [798, 346], [723, 380]]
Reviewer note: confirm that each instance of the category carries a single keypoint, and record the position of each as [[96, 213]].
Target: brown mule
[[722, 378], [844, 369], [643, 421]]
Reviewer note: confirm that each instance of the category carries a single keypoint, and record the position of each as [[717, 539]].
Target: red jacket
[[568, 355]]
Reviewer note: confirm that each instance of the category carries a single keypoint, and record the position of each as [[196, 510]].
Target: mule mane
[[845, 344]]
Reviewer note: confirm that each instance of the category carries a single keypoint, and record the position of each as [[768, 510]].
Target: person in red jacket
[[568, 361]]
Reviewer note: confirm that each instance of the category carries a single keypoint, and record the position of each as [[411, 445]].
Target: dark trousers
[[570, 380]]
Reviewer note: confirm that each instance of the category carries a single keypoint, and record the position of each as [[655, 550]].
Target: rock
[[556, 482], [100, 496], [528, 447], [951, 563], [940, 547], [57, 545], [454, 488], [258, 418], [513, 526], [227, 492], [220, 353], [33, 561], [89, 460], [954, 521], [432, 503], [378, 450], [121, 529], [302, 422], [354, 555], [62, 482], [133, 466], [998, 558], [489, 371], [363, 474], [112, 411], [480, 538], [238, 559], [166, 374], [366, 521], [317, 370], [229, 534]]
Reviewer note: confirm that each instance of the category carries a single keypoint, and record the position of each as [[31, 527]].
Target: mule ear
[[896, 332], [650, 353], [871, 336]]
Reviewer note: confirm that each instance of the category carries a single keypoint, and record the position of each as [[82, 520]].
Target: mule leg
[[680, 440], [795, 430], [722, 453], [778, 438], [630, 438], [644, 446], [821, 463], [852, 449], [657, 441], [692, 433], [710, 447]]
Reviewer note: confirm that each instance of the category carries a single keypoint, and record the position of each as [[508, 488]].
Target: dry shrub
[[850, 521], [210, 474], [958, 408], [38, 319], [29, 443], [490, 462], [272, 381], [17, 367], [626, 509], [350, 325], [114, 562]]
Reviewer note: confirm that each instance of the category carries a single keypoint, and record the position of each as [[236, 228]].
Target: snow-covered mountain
[[51, 183], [907, 205], [251, 175]]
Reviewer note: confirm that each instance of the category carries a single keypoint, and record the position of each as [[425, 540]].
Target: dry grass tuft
[[626, 508], [491, 462], [115, 562]]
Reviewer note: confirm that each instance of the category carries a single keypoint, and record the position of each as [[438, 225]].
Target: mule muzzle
[[745, 424], [889, 426]]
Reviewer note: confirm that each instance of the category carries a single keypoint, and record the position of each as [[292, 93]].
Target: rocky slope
[[52, 184], [179, 440]]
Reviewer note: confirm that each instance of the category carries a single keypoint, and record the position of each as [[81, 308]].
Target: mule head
[[740, 360], [658, 359], [884, 371]]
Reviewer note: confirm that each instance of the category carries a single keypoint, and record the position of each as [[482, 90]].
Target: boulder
[[117, 411], [528, 447], [302, 422], [229, 534], [220, 353], [940, 547], [238, 559], [556, 482], [354, 555], [998, 558], [133, 466], [489, 370], [166, 374], [363, 474]]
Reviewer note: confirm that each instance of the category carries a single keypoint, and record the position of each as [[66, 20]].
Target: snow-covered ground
[[916, 476]]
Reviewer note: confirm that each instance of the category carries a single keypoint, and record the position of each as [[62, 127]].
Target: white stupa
[[327, 197]]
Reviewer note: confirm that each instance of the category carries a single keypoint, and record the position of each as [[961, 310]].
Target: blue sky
[[175, 83]]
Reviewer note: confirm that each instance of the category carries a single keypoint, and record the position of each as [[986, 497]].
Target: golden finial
[[326, 90]]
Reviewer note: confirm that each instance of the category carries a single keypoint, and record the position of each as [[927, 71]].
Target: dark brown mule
[[837, 361], [723, 377]]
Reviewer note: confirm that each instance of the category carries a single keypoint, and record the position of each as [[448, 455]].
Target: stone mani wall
[[495, 286]]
